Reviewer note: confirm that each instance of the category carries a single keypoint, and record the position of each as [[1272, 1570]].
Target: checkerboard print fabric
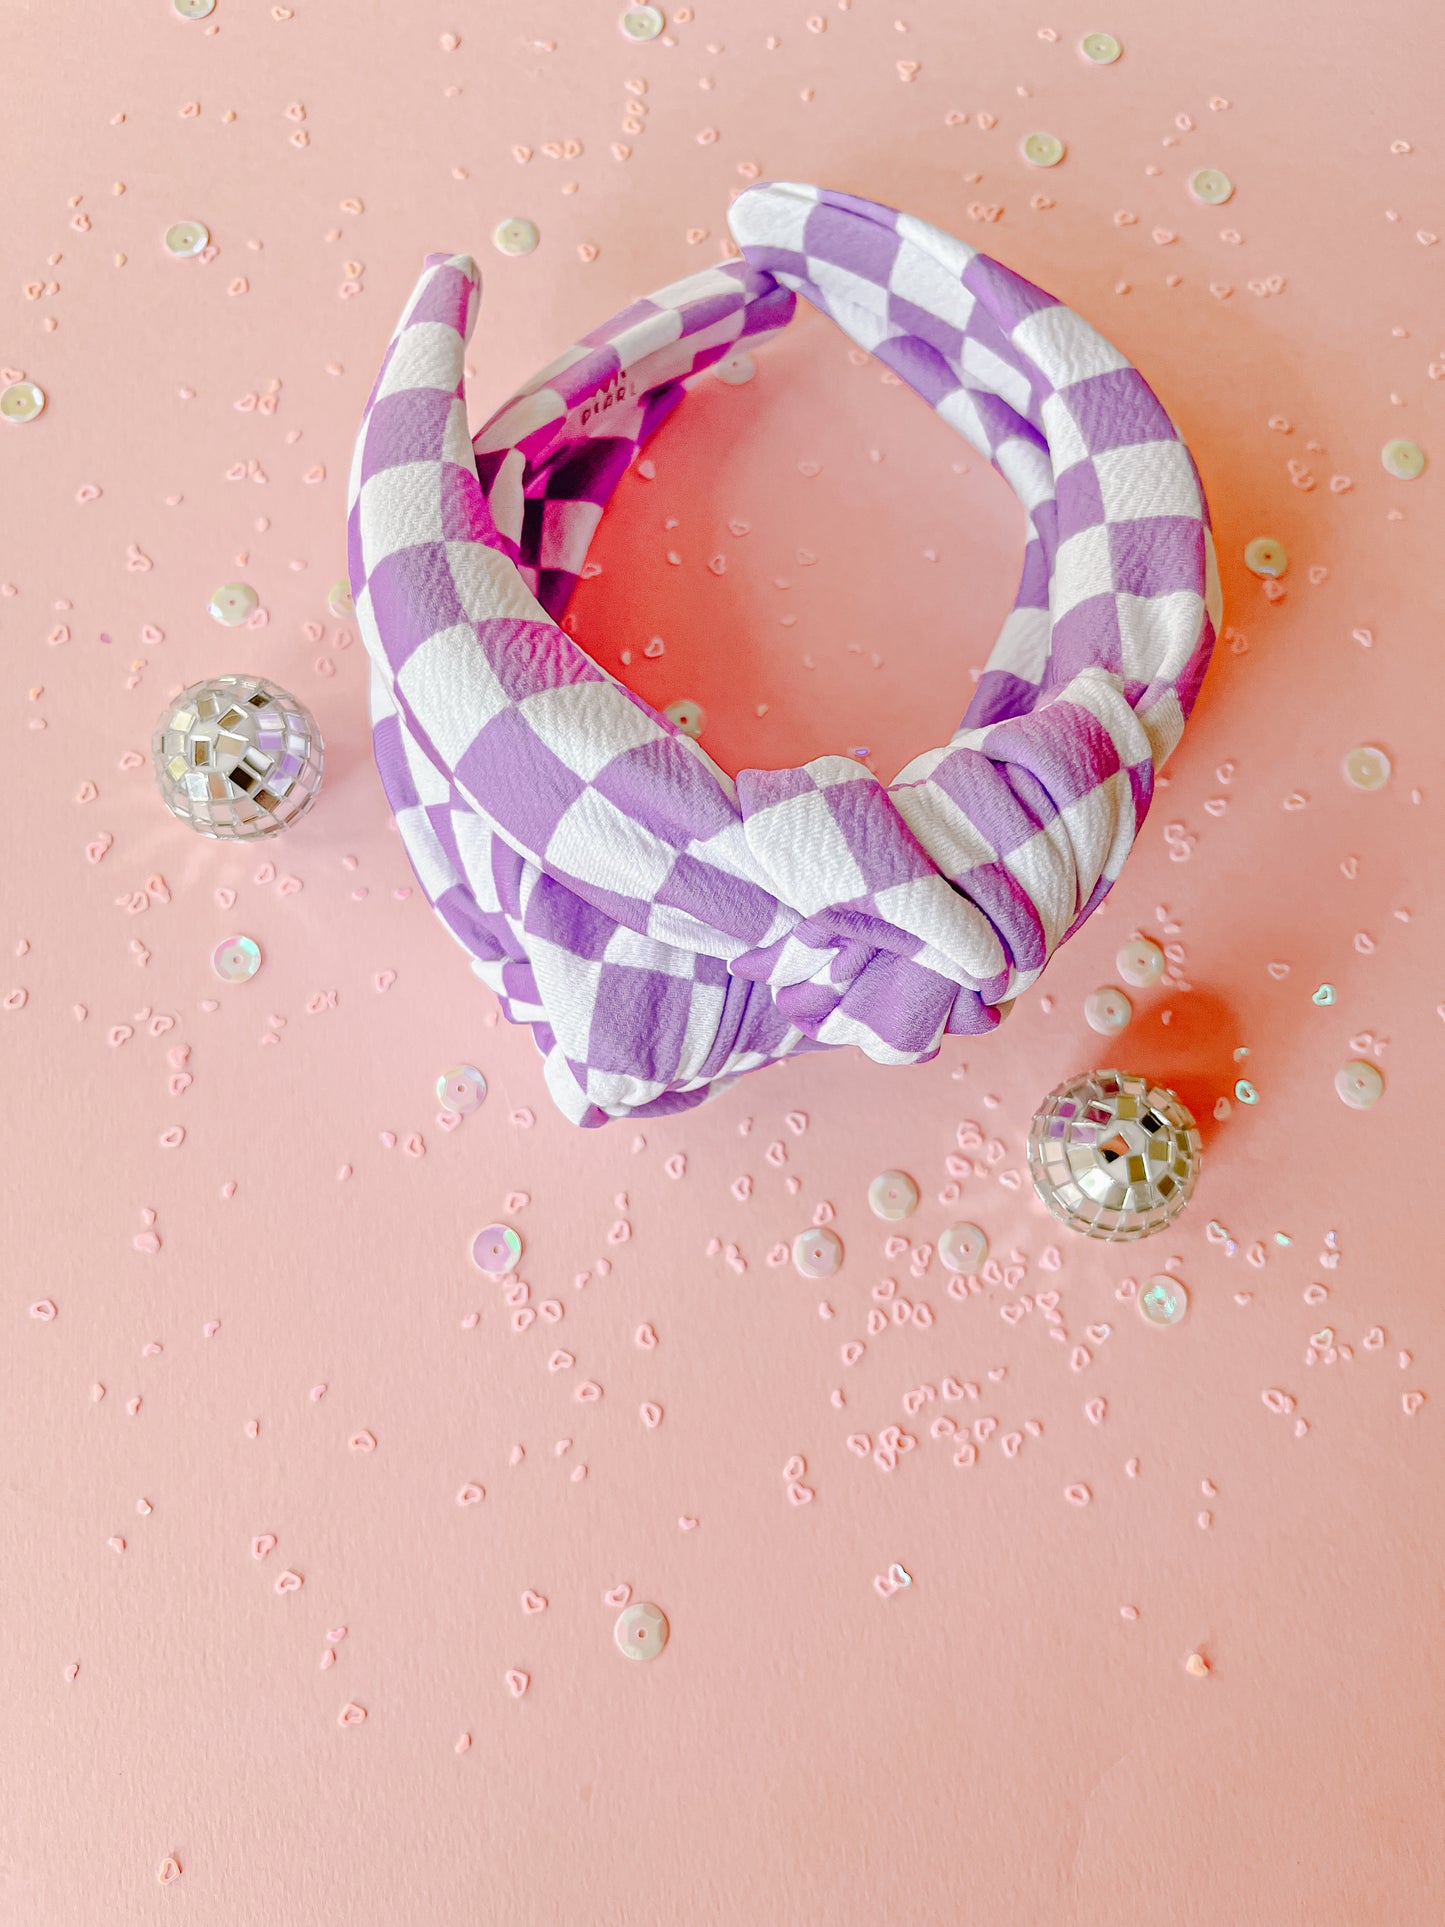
[[662, 928]]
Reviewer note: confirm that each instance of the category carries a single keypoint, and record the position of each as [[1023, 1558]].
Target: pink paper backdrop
[[999, 1743]]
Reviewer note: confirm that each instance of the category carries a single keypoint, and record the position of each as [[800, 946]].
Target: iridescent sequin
[[236, 959], [462, 1089], [232, 603], [1211, 185], [962, 1247], [893, 1196], [689, 717], [1102, 49], [1403, 459], [496, 1250], [1359, 1084], [1163, 1300], [817, 1253], [642, 23], [641, 1631], [1042, 150], [1140, 963], [1266, 557], [515, 236], [184, 238], [1367, 767], [22, 401], [1107, 1011]]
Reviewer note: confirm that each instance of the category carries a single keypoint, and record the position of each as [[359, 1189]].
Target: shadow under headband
[[662, 928]]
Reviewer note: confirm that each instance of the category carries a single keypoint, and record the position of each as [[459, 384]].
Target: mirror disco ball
[[236, 756], [1113, 1156]]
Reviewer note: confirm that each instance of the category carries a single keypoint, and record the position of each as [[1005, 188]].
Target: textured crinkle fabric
[[662, 928]]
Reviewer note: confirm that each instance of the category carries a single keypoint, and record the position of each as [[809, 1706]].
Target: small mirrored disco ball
[[236, 756], [1113, 1156]]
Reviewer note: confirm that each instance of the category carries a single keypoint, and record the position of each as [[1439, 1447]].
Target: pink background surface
[[998, 1743]]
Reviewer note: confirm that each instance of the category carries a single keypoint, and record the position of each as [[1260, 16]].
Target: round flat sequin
[[641, 1631], [462, 1089], [1210, 185], [187, 237], [236, 959], [22, 401], [1163, 1300], [1140, 963], [1367, 767], [1042, 150], [232, 603], [642, 23], [1403, 459], [1265, 556], [339, 600], [1107, 1010], [690, 717], [496, 1250], [735, 369], [817, 1253], [962, 1247], [1100, 48], [1359, 1084], [517, 236], [194, 9], [892, 1196]]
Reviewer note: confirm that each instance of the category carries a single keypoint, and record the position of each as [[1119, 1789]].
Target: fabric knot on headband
[[662, 928]]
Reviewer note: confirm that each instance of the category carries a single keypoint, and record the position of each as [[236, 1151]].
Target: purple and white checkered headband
[[661, 927]]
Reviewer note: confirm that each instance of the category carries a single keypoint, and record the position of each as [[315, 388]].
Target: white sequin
[[642, 23], [641, 1631], [1367, 767], [22, 401], [232, 603], [1163, 1300], [1210, 185], [1102, 49], [1265, 556], [515, 236], [1359, 1084], [187, 237], [1042, 150], [237, 959], [1140, 963], [1107, 1010], [1403, 459], [893, 1196]]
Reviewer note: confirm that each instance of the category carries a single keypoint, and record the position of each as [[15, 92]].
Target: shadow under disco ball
[[1113, 1156], [236, 756]]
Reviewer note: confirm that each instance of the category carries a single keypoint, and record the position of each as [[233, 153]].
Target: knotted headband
[[661, 927]]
